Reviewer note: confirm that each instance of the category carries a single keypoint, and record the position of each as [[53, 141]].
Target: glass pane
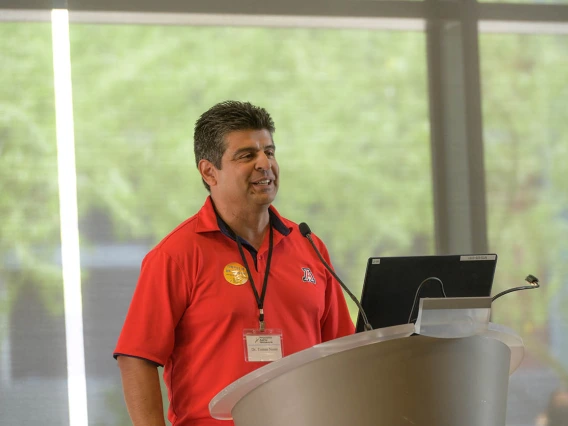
[[33, 366], [353, 146], [526, 134]]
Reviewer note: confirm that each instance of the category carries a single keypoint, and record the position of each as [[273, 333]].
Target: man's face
[[249, 171]]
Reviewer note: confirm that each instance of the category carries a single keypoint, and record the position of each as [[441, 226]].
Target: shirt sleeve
[[336, 320], [158, 303]]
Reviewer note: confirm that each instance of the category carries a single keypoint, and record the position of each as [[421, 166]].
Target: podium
[[390, 376]]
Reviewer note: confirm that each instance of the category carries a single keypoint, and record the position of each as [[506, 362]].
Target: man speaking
[[231, 288]]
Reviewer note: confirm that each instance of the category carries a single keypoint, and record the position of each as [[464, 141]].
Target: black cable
[[418, 292]]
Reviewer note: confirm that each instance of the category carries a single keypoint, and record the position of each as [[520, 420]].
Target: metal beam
[[446, 10], [360, 8], [456, 131], [523, 12]]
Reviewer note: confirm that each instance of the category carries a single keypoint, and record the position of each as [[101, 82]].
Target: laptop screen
[[391, 284]]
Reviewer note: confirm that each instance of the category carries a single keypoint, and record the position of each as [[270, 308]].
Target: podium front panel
[[418, 380]]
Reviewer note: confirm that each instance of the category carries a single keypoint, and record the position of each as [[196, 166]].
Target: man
[[235, 270]]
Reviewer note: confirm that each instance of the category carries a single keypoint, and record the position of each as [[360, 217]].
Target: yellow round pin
[[235, 273]]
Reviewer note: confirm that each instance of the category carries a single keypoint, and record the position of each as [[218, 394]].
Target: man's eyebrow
[[253, 149], [243, 150]]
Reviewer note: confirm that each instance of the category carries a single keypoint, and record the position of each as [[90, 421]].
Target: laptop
[[391, 284]]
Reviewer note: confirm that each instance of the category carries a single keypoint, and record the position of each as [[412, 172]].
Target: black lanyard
[[259, 299]]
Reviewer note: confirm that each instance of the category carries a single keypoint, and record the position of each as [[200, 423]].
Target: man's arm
[[141, 386]]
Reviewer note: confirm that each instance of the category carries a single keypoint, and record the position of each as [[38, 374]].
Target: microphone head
[[531, 279], [305, 229]]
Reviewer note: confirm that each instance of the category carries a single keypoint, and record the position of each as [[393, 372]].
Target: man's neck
[[250, 224]]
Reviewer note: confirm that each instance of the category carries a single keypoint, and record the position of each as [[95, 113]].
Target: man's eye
[[246, 156], [270, 153]]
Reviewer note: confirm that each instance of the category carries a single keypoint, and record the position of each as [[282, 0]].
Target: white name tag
[[262, 346]]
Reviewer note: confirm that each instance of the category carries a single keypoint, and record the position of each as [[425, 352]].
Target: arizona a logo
[[308, 276]]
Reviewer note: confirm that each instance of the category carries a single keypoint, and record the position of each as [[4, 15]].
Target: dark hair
[[222, 119]]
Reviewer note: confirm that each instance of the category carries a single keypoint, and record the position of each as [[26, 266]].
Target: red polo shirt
[[187, 316]]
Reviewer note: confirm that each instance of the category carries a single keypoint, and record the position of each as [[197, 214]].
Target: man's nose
[[263, 162]]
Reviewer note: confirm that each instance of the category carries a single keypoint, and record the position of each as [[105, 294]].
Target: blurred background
[[403, 128]]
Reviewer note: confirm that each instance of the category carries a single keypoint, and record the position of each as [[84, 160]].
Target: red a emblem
[[308, 276]]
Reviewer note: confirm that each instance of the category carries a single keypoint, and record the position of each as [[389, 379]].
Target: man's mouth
[[263, 182]]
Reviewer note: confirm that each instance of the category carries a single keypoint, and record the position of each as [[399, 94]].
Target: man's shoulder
[[297, 235], [187, 232], [180, 236], [283, 224], [288, 223], [291, 225]]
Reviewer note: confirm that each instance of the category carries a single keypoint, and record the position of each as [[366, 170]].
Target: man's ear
[[208, 172]]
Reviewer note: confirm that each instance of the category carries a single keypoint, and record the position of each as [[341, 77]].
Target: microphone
[[531, 279], [306, 232]]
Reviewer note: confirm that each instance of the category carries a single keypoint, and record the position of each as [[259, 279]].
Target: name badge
[[262, 346]]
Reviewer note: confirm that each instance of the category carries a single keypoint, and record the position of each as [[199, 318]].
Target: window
[[526, 150]]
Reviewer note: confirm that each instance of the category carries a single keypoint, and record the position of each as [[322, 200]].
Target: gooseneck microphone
[[306, 232], [531, 279]]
